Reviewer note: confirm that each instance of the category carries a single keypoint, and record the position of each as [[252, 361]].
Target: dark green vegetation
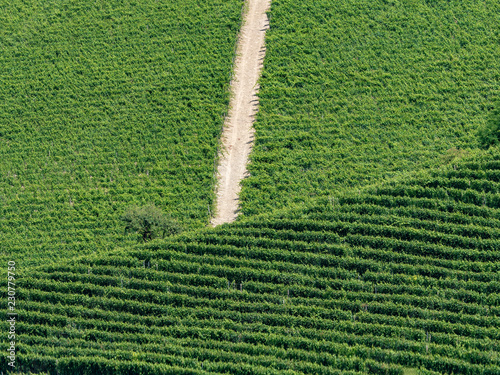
[[354, 91], [104, 105], [489, 134], [396, 278], [149, 222]]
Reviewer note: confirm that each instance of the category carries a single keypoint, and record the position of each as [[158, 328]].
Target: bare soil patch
[[238, 133]]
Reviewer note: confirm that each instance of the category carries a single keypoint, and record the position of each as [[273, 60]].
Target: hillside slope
[[397, 277], [104, 105], [357, 91]]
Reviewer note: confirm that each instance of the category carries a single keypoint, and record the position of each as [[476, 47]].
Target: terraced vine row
[[399, 277]]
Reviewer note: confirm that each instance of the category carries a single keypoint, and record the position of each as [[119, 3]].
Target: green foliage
[[357, 91], [401, 275], [104, 105], [489, 134], [397, 277], [453, 154], [149, 222]]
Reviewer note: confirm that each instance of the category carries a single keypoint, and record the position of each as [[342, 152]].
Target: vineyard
[[396, 278], [356, 91], [368, 240], [106, 105]]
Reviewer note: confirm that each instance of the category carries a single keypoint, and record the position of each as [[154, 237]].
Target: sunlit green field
[[104, 105], [369, 240], [355, 91]]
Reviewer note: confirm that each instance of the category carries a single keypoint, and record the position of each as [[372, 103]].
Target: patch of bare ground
[[238, 133]]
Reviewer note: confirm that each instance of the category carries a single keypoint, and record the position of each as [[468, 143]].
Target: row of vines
[[358, 285]]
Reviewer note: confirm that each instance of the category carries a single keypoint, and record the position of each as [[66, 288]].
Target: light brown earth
[[237, 136]]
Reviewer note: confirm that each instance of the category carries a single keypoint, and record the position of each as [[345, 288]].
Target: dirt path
[[237, 136]]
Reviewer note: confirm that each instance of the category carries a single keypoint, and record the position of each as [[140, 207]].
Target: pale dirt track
[[237, 136]]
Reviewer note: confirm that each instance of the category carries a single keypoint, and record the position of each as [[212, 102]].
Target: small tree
[[490, 134], [149, 222]]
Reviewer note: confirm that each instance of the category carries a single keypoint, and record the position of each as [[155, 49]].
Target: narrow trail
[[238, 133]]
